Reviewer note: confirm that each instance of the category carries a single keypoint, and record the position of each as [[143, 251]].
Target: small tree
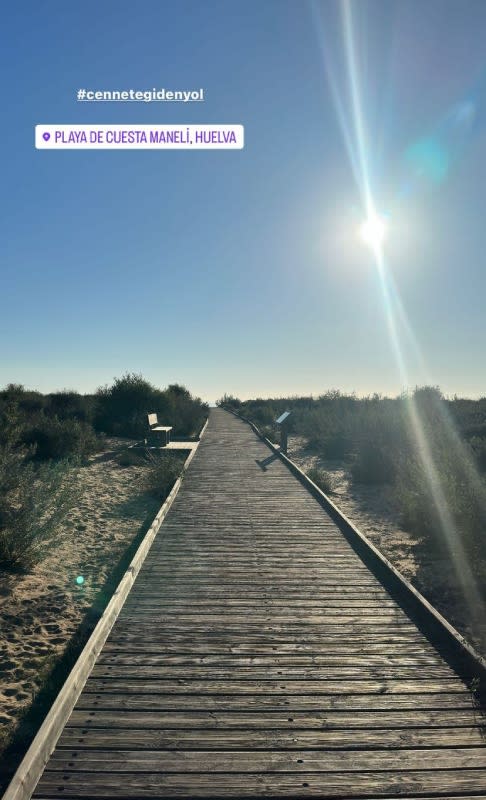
[[122, 407], [33, 501]]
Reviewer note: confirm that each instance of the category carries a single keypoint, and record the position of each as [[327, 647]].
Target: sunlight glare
[[373, 231]]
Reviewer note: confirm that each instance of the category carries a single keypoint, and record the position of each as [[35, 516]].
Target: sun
[[373, 231]]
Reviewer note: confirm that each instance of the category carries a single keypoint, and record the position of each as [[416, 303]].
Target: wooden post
[[284, 432]]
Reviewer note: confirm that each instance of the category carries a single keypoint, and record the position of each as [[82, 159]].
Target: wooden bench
[[155, 428]]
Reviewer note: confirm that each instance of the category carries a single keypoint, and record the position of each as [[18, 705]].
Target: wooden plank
[[89, 701], [266, 611], [268, 739], [233, 784], [329, 720], [178, 603], [271, 673], [278, 573], [249, 637], [246, 564], [278, 582], [271, 761], [205, 648], [271, 630], [337, 618], [417, 685], [154, 590], [232, 661], [262, 607], [265, 635]]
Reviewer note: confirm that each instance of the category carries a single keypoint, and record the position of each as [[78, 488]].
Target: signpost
[[284, 430]]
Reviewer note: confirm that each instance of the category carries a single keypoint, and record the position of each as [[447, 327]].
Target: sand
[[39, 612]]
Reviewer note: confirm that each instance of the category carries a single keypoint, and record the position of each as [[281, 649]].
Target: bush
[[163, 473], [122, 408], [421, 494], [324, 480], [478, 447], [11, 423], [27, 402], [382, 438], [337, 445], [373, 464], [70, 405], [33, 501], [55, 438], [437, 477], [229, 400], [185, 413]]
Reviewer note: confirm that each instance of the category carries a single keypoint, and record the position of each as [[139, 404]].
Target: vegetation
[[163, 473], [429, 449], [122, 408], [53, 426], [33, 500], [324, 480], [43, 437]]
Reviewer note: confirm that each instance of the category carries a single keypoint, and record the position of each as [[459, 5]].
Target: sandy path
[[40, 612]]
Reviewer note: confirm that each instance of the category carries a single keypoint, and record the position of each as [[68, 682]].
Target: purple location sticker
[[46, 136]]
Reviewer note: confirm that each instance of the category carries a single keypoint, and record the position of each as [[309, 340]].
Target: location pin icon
[[46, 136]]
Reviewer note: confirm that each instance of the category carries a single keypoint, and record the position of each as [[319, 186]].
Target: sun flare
[[373, 231]]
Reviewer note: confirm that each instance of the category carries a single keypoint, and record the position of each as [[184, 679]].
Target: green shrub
[[478, 447], [324, 480], [420, 497], [381, 438], [11, 423], [185, 413], [33, 501], [53, 438], [27, 402], [163, 473], [122, 408], [373, 464], [70, 405], [440, 493], [229, 400], [337, 445]]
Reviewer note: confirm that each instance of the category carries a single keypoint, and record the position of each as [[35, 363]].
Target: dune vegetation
[[45, 438]]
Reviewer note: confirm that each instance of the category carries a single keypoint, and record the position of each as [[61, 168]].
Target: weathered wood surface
[[257, 656]]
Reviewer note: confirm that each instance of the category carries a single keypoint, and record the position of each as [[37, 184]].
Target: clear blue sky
[[242, 271]]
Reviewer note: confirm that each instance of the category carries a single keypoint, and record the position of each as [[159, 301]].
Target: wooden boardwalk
[[257, 656]]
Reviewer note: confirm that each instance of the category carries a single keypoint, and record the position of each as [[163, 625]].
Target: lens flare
[[429, 159], [373, 231]]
